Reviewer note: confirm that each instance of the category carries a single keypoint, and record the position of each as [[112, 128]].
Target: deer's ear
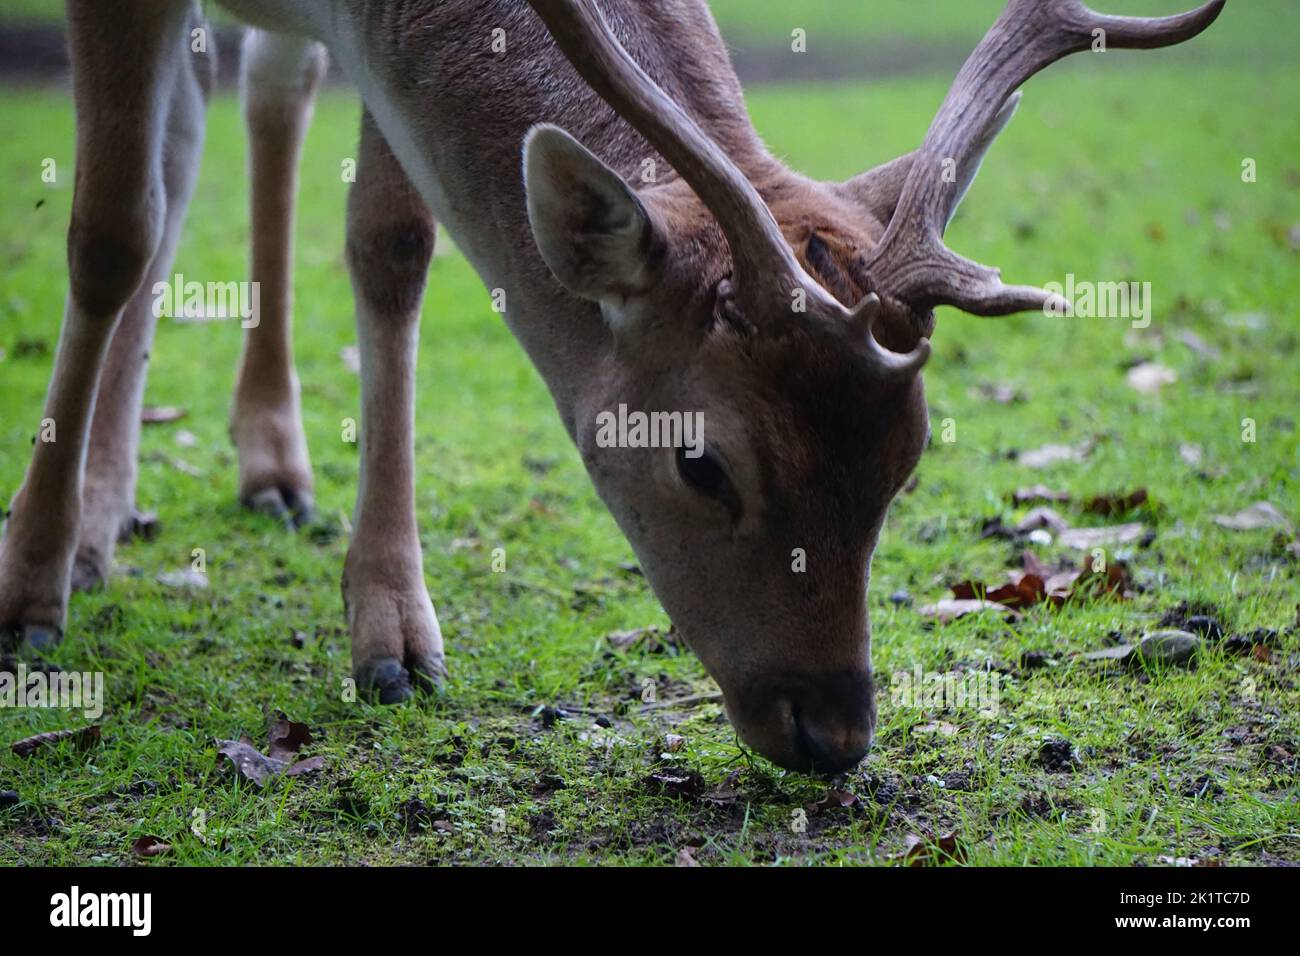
[[592, 229]]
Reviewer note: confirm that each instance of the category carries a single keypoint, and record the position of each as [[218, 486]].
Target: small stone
[[1121, 653], [8, 798], [1169, 647]]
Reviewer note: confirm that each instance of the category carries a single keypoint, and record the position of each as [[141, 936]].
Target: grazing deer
[[794, 314]]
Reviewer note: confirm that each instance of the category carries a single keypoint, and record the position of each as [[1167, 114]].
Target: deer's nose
[[824, 745], [830, 720]]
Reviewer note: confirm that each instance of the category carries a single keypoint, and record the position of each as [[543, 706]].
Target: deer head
[[795, 316]]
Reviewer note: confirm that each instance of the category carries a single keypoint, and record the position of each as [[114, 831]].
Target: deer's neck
[[456, 84]]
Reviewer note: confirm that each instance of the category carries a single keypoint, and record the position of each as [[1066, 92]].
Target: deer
[[795, 314]]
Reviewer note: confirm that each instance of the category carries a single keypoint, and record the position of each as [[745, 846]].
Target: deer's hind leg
[[108, 506], [396, 641], [125, 60], [281, 77]]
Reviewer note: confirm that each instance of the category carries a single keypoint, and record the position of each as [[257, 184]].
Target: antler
[[765, 267], [911, 265]]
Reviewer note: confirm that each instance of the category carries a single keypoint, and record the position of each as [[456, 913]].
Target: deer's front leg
[[125, 57], [396, 642], [281, 77]]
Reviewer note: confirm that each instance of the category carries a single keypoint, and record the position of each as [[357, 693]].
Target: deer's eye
[[704, 474]]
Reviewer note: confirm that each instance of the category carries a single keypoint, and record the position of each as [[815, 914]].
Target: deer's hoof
[[40, 637], [88, 574], [283, 503], [385, 679]]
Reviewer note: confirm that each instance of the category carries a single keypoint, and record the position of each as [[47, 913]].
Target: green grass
[[1135, 175]]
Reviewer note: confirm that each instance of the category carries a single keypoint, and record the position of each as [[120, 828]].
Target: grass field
[[1112, 176]]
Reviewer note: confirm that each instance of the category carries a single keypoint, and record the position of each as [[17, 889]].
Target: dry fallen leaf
[[1043, 517], [1037, 581], [1085, 539], [1115, 504], [834, 800], [949, 610], [82, 737], [917, 851], [286, 738], [1257, 517], [147, 846], [1025, 590]]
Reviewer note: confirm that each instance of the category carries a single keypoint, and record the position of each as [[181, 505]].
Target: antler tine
[[910, 264], [886, 364], [765, 266]]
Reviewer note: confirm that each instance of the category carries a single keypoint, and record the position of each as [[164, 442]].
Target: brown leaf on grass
[[1038, 582], [1259, 516], [161, 414], [1113, 581], [1025, 591], [82, 737], [286, 738], [1039, 493], [834, 800], [947, 611], [919, 851], [147, 846], [1115, 504]]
